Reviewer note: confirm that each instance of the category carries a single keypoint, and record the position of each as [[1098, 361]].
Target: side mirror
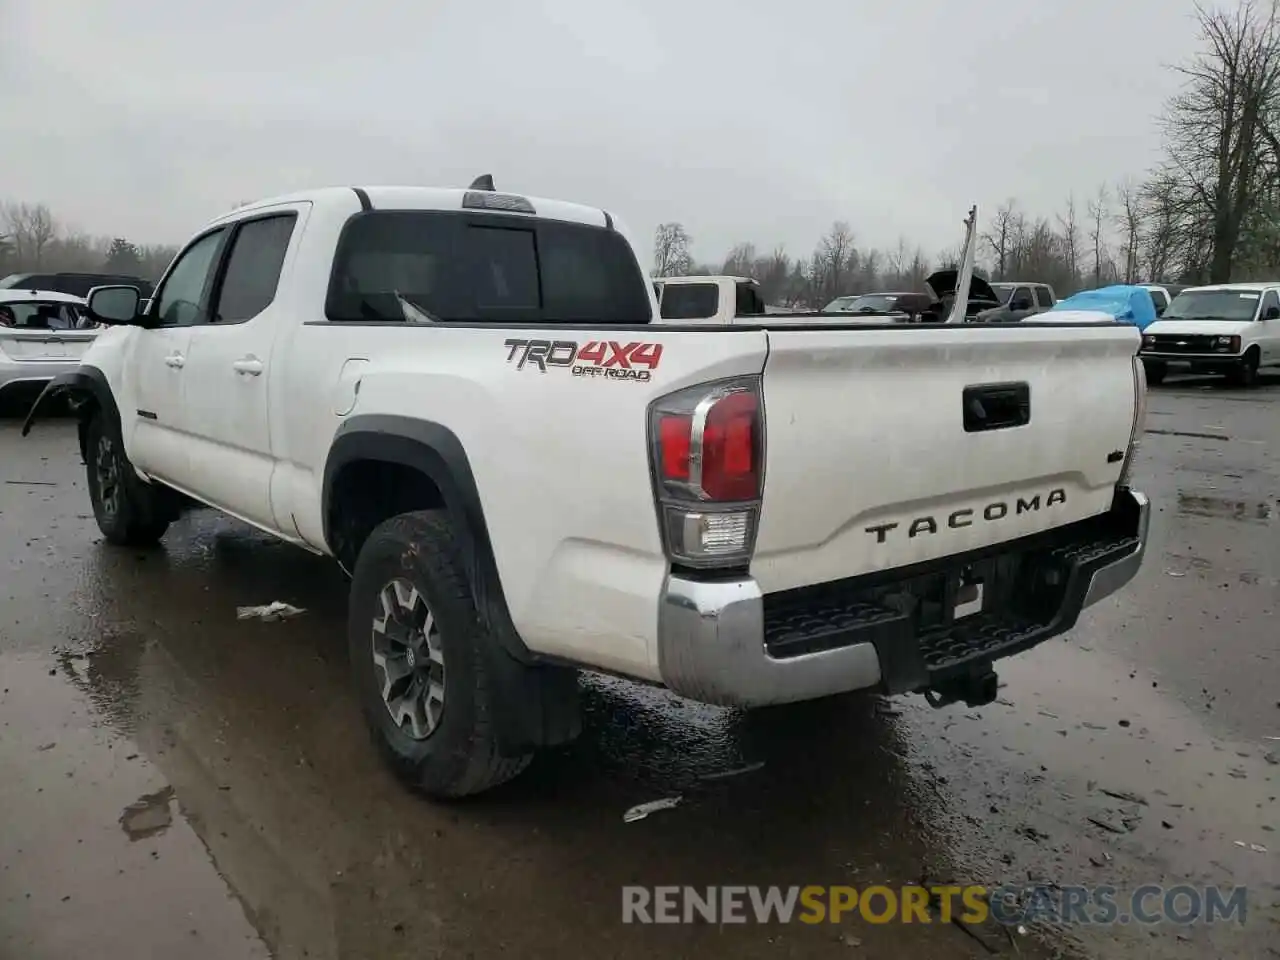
[[1271, 313], [114, 306]]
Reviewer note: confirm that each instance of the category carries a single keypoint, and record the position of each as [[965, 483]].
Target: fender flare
[[83, 384], [435, 451]]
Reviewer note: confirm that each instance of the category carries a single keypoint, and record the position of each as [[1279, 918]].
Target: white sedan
[[42, 334]]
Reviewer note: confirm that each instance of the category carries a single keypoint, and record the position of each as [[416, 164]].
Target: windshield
[[1234, 305], [38, 315], [1003, 291]]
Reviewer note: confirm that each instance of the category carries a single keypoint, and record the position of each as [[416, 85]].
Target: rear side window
[[478, 267], [749, 302], [1159, 300], [1045, 296], [690, 301], [252, 272]]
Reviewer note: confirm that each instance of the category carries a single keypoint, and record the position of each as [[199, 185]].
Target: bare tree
[[31, 227], [1000, 237], [741, 261], [834, 253], [1070, 233], [671, 256], [1218, 129], [1129, 220], [1099, 213]]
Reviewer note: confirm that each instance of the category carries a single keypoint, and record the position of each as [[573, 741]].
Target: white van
[[1229, 328]]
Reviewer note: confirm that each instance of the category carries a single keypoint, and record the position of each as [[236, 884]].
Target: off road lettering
[[992, 512], [607, 359]]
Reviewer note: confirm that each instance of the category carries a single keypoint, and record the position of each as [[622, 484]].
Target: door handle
[[175, 360], [250, 365]]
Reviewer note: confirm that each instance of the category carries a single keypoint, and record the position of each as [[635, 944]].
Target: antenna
[[482, 182]]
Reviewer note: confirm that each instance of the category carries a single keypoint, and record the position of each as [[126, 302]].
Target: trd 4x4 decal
[[608, 359]]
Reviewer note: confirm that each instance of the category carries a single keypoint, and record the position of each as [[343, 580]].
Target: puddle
[[149, 815], [1250, 511]]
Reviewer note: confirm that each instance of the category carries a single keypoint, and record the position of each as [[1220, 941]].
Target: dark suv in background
[[75, 284], [1018, 300]]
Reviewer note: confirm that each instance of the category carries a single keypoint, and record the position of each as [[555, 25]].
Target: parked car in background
[[42, 335], [714, 299], [1128, 304], [1162, 294], [76, 284], [907, 305], [1018, 300], [1231, 328]]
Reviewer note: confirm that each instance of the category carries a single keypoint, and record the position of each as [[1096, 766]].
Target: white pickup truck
[[464, 398], [716, 300]]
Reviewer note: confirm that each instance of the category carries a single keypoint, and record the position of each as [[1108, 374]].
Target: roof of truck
[[420, 198], [1258, 285]]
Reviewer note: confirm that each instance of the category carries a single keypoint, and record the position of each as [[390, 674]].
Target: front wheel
[[418, 652], [1245, 375], [1155, 373], [130, 512]]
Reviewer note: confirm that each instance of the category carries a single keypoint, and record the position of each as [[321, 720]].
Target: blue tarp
[[1124, 303]]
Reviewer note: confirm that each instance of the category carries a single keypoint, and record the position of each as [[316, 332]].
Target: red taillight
[[707, 457], [730, 447], [675, 433], [714, 451]]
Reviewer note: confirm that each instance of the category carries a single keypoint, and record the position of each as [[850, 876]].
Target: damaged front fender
[[88, 391]]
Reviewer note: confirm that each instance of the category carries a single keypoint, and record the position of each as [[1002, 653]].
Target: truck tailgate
[[871, 462]]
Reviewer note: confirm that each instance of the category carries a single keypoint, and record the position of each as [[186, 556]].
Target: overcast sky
[[760, 120]]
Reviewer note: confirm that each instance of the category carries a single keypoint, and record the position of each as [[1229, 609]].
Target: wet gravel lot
[[177, 783]]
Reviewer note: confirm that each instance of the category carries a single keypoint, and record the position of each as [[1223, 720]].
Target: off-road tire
[[460, 756], [130, 512]]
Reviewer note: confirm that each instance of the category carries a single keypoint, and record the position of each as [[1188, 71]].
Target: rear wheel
[[129, 511], [1155, 373], [418, 652]]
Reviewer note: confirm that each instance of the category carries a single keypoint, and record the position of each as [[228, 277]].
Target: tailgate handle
[[996, 406]]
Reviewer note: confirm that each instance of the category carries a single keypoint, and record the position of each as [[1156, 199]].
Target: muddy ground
[[177, 783]]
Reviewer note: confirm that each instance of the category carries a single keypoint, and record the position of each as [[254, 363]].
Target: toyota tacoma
[[468, 399]]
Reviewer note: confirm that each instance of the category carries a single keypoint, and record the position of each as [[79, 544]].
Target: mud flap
[[534, 705]]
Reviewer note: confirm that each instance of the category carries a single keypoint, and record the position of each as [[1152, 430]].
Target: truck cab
[[713, 300]]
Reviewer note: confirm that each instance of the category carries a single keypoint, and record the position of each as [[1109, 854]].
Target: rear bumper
[[724, 642], [31, 375]]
